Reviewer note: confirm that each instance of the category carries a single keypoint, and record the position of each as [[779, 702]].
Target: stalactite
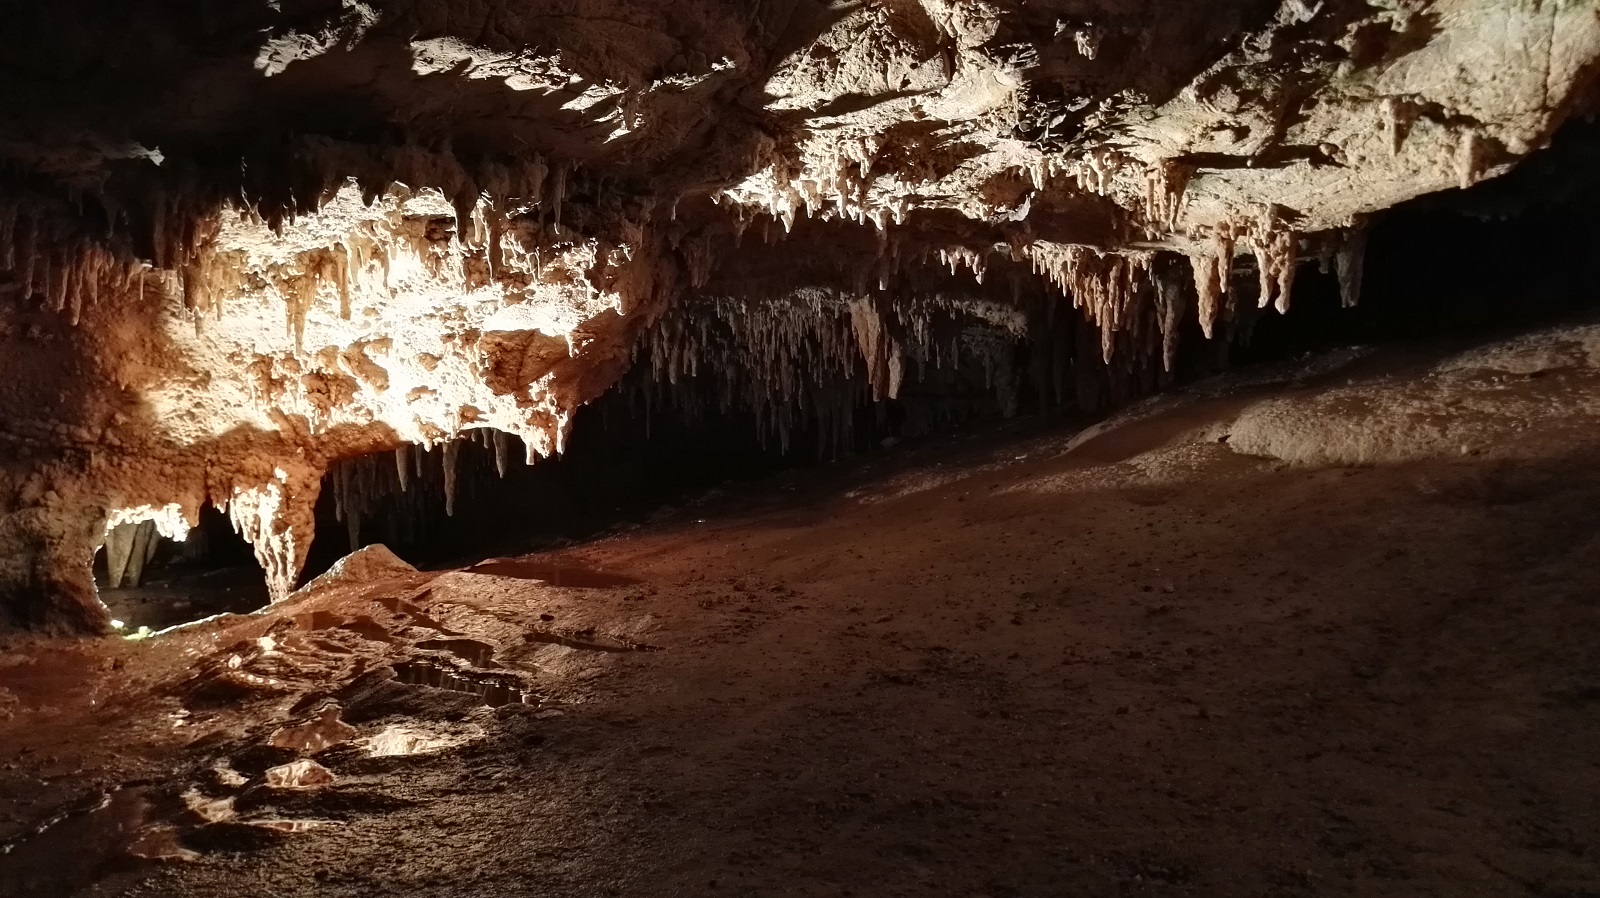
[[1470, 164], [184, 225], [261, 515], [1208, 289], [698, 260], [816, 356], [352, 521], [451, 451], [1170, 308], [129, 548], [1350, 262], [52, 257], [341, 276], [399, 492], [1097, 170], [957, 257], [502, 452], [558, 194], [1167, 186], [1104, 286], [879, 350], [1396, 115], [1212, 272], [1276, 251]]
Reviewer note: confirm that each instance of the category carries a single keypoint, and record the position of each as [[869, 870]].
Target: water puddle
[[302, 774], [403, 607], [315, 735], [318, 620], [68, 850], [46, 678], [368, 629], [587, 640], [566, 576], [182, 595], [208, 809]]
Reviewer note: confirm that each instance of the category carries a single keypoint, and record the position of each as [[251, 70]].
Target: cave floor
[[1149, 666]]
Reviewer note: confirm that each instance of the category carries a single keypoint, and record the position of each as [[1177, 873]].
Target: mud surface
[[990, 668]]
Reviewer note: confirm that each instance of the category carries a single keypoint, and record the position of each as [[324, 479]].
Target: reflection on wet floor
[[569, 576], [67, 850], [293, 826], [179, 595], [46, 680]]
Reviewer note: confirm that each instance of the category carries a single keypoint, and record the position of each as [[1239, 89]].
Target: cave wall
[[240, 241]]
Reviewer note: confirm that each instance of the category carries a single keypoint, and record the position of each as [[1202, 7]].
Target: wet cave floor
[[1150, 665]]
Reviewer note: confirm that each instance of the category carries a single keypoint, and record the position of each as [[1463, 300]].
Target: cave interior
[[659, 387]]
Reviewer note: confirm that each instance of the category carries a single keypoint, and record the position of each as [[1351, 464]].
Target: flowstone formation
[[241, 241]]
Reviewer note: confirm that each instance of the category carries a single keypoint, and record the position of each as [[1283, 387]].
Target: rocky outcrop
[[241, 241]]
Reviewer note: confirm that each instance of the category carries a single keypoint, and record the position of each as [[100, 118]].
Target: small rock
[[313, 737], [302, 774]]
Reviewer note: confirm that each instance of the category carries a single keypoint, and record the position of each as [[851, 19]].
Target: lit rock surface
[[302, 774], [240, 246]]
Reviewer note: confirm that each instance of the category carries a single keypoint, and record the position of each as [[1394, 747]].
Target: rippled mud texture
[[243, 242]]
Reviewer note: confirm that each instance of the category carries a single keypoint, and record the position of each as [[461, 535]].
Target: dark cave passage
[[1514, 252], [212, 571], [1505, 255]]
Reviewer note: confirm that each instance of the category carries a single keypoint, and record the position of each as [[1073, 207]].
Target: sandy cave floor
[[1148, 666]]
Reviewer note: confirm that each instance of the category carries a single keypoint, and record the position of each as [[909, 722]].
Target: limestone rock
[[302, 774]]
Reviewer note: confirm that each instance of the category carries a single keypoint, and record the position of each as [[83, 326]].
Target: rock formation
[[240, 241]]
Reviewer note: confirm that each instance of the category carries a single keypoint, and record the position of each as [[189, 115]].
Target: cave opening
[[1506, 254], [1510, 253], [149, 582]]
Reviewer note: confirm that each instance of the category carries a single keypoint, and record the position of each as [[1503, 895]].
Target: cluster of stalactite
[[1086, 329], [1277, 251], [52, 256], [825, 362], [1138, 300], [843, 178], [808, 360], [394, 497], [73, 250], [129, 548], [805, 361]]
